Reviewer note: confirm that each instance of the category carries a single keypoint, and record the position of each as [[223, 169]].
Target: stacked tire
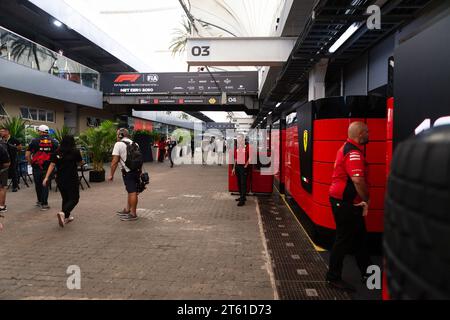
[[417, 218]]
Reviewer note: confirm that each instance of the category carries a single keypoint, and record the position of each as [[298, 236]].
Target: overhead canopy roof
[[237, 18], [331, 20], [29, 21]]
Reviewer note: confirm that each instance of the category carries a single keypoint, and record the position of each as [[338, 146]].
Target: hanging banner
[[182, 83]]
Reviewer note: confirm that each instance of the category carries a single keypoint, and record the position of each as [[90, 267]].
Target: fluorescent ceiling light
[[278, 104], [57, 23], [347, 34], [270, 113]]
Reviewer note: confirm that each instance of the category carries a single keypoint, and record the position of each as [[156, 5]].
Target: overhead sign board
[[234, 51], [182, 83], [220, 125], [191, 100]]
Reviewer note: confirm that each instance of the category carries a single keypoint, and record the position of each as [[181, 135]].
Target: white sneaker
[[60, 216], [68, 220]]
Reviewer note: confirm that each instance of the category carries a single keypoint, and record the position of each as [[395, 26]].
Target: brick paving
[[191, 242]]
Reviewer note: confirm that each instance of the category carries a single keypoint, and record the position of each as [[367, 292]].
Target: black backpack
[[135, 159]]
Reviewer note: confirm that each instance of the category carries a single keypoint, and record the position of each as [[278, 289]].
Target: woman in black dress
[[66, 160]]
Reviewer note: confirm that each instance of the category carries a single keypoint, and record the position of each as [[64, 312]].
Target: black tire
[[417, 218]]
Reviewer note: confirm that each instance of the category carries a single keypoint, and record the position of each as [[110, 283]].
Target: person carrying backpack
[[127, 155], [38, 156]]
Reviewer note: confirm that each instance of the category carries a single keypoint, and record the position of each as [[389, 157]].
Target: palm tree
[[16, 127], [178, 43], [189, 24], [21, 47], [61, 133]]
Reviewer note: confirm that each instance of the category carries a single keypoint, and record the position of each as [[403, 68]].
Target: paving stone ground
[[191, 242]]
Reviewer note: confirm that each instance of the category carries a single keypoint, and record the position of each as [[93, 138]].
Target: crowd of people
[[50, 160]]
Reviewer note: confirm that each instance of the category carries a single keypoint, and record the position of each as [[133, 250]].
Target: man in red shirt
[[240, 167], [349, 197]]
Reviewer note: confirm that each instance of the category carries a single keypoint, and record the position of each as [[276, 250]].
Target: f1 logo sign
[[127, 77]]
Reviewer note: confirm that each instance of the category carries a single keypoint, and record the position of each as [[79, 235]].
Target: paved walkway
[[191, 242]]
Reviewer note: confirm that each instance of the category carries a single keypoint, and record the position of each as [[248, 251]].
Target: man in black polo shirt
[[349, 198], [4, 165], [13, 146]]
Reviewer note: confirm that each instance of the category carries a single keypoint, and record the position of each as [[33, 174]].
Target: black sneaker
[[128, 217], [241, 203], [3, 209], [15, 190], [45, 207], [341, 285]]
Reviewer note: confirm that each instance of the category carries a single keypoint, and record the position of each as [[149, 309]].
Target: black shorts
[[4, 178], [131, 180]]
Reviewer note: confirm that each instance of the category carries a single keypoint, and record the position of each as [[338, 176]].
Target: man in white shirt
[[130, 177], [205, 150], [219, 150]]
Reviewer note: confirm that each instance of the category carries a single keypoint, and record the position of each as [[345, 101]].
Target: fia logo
[[152, 78]]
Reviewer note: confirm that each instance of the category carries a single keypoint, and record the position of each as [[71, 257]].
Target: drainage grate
[[297, 290], [298, 268], [299, 272]]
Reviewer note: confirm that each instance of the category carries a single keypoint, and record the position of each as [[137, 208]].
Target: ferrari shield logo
[[305, 140]]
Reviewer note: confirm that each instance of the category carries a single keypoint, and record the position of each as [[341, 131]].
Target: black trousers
[[350, 238], [170, 157], [13, 174], [70, 193], [41, 191], [241, 174], [161, 155]]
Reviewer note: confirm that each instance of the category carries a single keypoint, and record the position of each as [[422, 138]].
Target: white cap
[[43, 128]]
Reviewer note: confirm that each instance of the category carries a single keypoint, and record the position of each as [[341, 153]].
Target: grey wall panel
[[355, 77], [20, 78], [378, 62], [422, 79]]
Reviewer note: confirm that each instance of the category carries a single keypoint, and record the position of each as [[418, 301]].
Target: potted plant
[[16, 127], [59, 134], [99, 143]]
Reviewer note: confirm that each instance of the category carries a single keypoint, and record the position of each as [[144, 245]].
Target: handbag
[[144, 180]]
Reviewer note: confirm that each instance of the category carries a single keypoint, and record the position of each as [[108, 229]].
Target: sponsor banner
[[194, 83], [190, 100], [220, 125]]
